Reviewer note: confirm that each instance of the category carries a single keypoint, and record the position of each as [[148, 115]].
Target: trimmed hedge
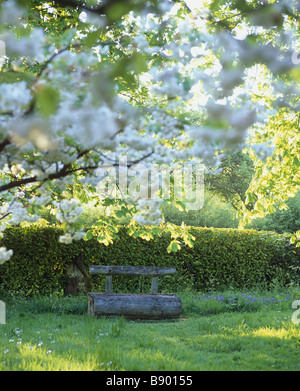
[[220, 258]]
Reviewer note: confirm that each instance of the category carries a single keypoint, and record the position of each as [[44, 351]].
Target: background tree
[[281, 221], [231, 179]]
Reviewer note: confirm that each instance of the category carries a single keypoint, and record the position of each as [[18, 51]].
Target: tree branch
[[43, 68], [100, 9], [8, 113], [4, 143], [5, 215], [130, 163], [65, 171], [50, 59]]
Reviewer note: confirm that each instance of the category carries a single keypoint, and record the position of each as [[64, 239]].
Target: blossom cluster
[[30, 47], [68, 213], [14, 97], [149, 213], [5, 255]]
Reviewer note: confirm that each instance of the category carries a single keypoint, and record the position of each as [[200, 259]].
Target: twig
[[4, 143], [5, 215], [100, 9]]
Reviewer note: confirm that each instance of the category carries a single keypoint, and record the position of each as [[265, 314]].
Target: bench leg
[[154, 286], [108, 284]]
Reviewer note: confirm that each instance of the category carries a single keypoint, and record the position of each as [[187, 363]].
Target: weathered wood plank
[[134, 306], [108, 284], [90, 305], [132, 270], [154, 286]]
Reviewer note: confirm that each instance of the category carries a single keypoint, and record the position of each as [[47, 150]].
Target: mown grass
[[223, 331]]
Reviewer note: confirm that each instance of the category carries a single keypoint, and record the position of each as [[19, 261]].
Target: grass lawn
[[222, 331]]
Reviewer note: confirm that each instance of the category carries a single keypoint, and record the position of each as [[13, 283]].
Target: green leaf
[[117, 10], [120, 214], [174, 246], [296, 162], [89, 235], [180, 205], [92, 38], [47, 99]]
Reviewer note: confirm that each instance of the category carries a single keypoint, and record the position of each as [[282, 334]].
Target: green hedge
[[220, 258]]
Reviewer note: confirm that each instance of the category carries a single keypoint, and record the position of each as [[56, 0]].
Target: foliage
[[285, 220], [231, 179], [277, 179], [219, 258], [214, 213], [39, 261]]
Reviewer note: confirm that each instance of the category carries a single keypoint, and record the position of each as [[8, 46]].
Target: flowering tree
[[88, 87]]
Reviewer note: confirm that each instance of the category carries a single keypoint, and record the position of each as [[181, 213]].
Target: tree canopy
[[89, 87]]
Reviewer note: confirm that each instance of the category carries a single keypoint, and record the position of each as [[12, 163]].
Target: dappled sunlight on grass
[[292, 332], [207, 337]]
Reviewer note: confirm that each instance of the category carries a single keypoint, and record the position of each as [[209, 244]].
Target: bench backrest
[[132, 270], [154, 272]]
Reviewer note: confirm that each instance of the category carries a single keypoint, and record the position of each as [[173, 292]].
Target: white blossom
[[149, 213], [34, 130], [141, 42], [263, 150], [11, 13], [68, 210], [14, 97], [78, 235], [31, 46], [19, 214], [5, 255], [66, 239], [95, 127]]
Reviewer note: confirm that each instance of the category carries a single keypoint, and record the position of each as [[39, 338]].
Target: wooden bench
[[134, 306]]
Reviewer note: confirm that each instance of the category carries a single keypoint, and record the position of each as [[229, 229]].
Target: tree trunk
[[78, 280], [134, 306]]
